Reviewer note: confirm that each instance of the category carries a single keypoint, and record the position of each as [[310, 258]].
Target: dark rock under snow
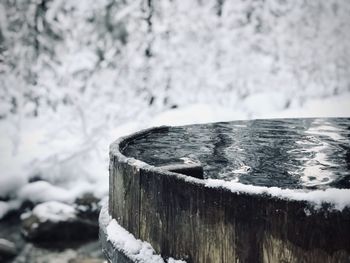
[[55, 221]]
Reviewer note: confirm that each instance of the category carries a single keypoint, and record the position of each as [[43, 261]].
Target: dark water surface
[[288, 153]]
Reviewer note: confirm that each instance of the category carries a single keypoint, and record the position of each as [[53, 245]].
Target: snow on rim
[[338, 198]]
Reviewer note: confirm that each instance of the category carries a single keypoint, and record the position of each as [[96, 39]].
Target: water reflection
[[316, 170], [292, 153]]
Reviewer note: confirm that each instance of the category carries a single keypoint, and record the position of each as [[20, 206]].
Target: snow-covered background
[[76, 75]]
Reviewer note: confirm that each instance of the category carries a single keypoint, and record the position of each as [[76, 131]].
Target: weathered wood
[[125, 192], [200, 224], [184, 219], [181, 219]]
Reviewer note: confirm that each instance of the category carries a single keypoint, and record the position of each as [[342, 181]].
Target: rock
[[88, 206], [55, 221], [88, 199], [7, 208], [7, 249]]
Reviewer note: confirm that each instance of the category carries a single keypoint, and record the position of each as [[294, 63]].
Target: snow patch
[[136, 249], [54, 211], [197, 113], [42, 191], [335, 106], [123, 240], [266, 102]]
